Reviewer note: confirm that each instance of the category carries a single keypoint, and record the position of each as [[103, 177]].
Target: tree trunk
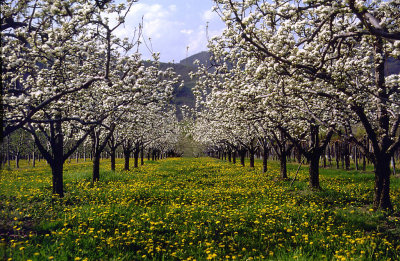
[[230, 156], [234, 157], [242, 156], [298, 156], [265, 158], [136, 157], [382, 183], [127, 154], [112, 156], [8, 152], [17, 160], [251, 156], [342, 155], [96, 167], [337, 154], [33, 159], [141, 156], [314, 171], [57, 172], [329, 156], [282, 160], [393, 165], [313, 157], [364, 163], [57, 166], [346, 155], [382, 158], [356, 157]]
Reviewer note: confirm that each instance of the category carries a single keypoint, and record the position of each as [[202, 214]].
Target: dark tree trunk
[[57, 172], [314, 171], [230, 156], [346, 155], [17, 156], [282, 160], [382, 183], [33, 159], [298, 156], [96, 167], [136, 157], [148, 155], [313, 157], [356, 157], [337, 154], [329, 156], [342, 155], [364, 163], [251, 156], [281, 151], [3, 149], [112, 156], [141, 156], [97, 150], [127, 154], [234, 157], [265, 157], [8, 152], [383, 156], [242, 156], [57, 165]]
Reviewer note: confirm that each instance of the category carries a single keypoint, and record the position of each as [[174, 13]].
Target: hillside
[[203, 57], [184, 95]]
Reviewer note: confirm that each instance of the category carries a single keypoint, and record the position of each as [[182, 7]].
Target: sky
[[177, 28]]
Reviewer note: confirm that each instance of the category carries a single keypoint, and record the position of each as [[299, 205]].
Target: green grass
[[186, 209]]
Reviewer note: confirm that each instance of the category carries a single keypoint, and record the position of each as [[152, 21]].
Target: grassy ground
[[186, 209]]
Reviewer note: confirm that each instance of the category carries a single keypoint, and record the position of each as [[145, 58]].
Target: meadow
[[194, 209]]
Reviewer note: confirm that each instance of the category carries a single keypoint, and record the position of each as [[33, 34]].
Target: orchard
[[299, 105]]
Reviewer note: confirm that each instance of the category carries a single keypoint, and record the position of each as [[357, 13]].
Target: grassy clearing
[[186, 209]]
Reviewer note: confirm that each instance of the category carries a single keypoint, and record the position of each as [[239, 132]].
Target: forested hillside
[[183, 95]]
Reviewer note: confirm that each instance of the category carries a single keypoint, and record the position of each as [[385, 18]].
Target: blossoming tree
[[334, 50]]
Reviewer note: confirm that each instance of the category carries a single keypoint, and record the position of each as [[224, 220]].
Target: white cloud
[[186, 31], [172, 8], [198, 41], [171, 27], [156, 20], [210, 15]]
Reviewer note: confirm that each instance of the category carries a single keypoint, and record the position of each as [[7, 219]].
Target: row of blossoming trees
[[68, 80], [296, 73]]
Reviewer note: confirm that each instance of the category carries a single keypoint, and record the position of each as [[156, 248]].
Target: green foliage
[[188, 209]]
